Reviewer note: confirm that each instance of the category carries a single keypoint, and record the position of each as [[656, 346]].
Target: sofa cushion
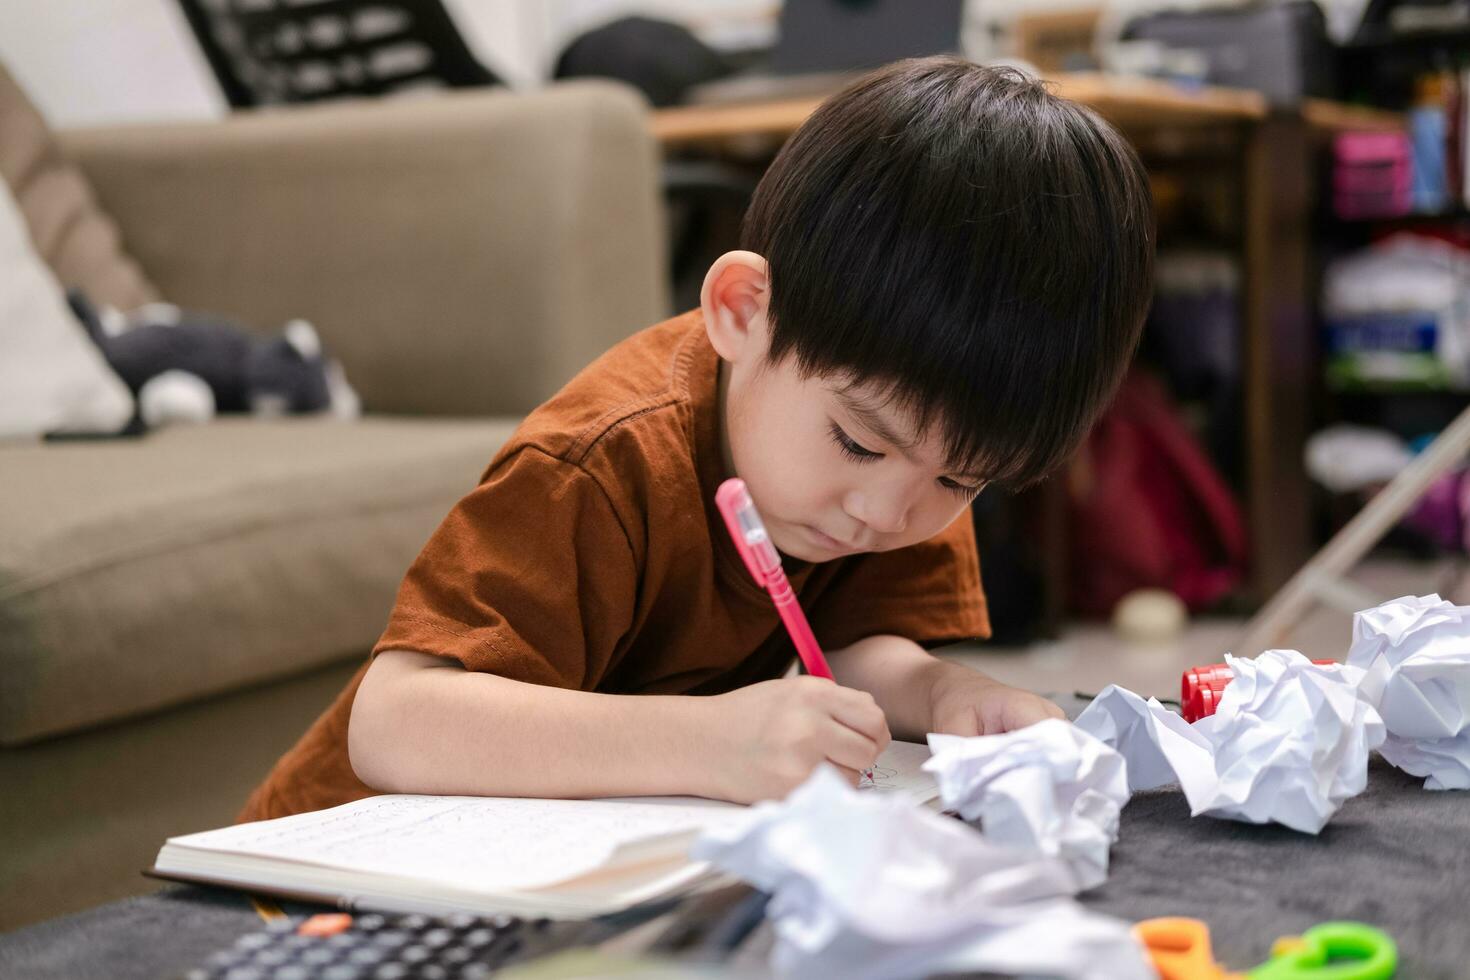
[[140, 574], [76, 239], [52, 376]]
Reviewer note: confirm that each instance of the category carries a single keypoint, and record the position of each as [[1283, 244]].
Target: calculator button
[[342, 971], [462, 921], [433, 971], [413, 923], [294, 971], [392, 938], [367, 955], [415, 954], [476, 938], [390, 971], [318, 957], [435, 938], [371, 923]]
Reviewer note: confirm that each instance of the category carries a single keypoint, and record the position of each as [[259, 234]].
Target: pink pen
[[754, 544], [755, 548]]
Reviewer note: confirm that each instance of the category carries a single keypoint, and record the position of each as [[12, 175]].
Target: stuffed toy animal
[[185, 367]]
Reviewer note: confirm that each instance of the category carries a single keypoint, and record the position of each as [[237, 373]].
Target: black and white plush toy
[[185, 367]]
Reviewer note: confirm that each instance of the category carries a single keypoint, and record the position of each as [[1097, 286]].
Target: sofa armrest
[[464, 253]]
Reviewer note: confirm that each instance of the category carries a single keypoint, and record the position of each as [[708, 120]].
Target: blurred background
[[278, 276]]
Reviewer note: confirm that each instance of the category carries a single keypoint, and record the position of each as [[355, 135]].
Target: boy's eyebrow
[[872, 421]]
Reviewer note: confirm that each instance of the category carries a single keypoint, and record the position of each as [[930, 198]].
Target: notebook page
[[496, 844], [486, 844], [899, 771]]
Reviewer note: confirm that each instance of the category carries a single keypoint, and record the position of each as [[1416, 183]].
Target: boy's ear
[[734, 300]]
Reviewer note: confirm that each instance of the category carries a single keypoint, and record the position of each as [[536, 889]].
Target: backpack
[[1147, 509]]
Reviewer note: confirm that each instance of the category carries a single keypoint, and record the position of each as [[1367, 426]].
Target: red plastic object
[[325, 924], [1200, 689]]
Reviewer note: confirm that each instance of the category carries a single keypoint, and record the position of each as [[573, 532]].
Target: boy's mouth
[[826, 541]]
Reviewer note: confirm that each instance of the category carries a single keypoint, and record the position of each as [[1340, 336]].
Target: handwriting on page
[[900, 771], [881, 778]]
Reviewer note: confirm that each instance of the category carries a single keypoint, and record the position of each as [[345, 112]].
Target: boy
[[943, 278]]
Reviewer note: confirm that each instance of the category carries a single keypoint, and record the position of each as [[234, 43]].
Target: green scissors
[[1331, 951]]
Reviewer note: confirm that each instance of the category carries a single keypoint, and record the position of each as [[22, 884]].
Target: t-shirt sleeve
[[531, 576], [929, 592]]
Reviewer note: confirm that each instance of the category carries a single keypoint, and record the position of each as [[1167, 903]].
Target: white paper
[[478, 843], [867, 885], [1415, 656], [1049, 789], [900, 771], [1288, 743]]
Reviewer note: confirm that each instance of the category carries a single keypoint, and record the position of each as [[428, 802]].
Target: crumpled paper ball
[[1288, 743], [868, 885], [1291, 739], [1415, 656], [1049, 788]]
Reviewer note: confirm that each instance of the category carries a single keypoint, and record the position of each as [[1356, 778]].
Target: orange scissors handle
[[1179, 949]]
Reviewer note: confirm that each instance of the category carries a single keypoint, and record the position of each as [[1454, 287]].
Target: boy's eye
[[850, 448], [962, 489]]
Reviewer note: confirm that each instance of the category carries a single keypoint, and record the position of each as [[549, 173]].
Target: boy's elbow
[[369, 751]]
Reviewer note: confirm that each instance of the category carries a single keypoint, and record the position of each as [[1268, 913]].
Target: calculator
[[370, 946], [703, 926]]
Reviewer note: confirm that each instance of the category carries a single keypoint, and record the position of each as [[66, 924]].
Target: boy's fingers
[[861, 715], [851, 750]]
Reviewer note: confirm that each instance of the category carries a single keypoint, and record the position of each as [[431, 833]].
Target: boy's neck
[[722, 392]]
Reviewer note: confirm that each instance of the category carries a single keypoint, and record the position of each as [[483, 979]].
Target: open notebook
[[484, 855]]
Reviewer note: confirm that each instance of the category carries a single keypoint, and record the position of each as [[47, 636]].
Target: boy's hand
[[964, 702], [767, 738]]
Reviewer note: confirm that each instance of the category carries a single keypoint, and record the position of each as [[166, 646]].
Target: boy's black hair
[[976, 246]]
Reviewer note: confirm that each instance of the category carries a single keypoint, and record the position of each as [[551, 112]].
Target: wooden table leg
[[1280, 361]]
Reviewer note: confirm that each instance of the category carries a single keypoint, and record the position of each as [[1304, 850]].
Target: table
[[1395, 857]]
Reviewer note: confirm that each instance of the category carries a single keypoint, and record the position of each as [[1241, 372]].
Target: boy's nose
[[884, 513]]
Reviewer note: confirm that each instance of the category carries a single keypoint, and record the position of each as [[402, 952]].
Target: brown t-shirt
[[591, 557]]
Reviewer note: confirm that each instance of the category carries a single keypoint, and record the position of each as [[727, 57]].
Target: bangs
[[968, 245]]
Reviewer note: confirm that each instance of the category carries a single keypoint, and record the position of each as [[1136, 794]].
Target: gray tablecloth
[[1397, 857]]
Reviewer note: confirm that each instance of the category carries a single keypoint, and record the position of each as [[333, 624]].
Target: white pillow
[[52, 376]]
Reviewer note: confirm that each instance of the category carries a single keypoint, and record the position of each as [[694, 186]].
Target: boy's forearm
[[421, 727], [901, 676]]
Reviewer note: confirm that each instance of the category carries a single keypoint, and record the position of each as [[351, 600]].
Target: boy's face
[[832, 469]]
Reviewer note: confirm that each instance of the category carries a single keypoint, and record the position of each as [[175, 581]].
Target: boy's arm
[[424, 724], [920, 693]]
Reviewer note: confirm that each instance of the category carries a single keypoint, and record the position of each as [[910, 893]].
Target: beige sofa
[[174, 610]]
